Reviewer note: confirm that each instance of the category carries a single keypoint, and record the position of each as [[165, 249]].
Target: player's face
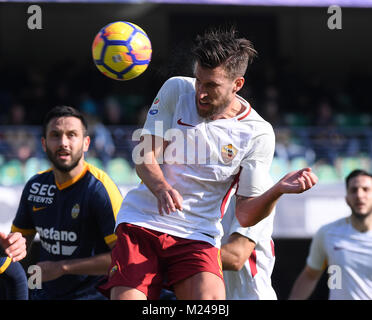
[[359, 196], [65, 143], [215, 91]]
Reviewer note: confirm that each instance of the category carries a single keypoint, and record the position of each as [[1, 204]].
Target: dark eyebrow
[[59, 131], [213, 83]]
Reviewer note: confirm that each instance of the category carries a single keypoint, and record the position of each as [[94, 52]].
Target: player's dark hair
[[218, 47], [356, 173], [64, 111]]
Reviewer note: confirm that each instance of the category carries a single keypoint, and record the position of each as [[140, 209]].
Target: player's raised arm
[[251, 210], [148, 169]]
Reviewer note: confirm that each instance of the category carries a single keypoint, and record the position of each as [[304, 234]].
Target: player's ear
[[86, 143], [43, 143], [238, 84]]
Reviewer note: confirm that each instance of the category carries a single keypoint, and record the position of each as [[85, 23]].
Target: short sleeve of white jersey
[[256, 232], [255, 176], [317, 257], [160, 116]]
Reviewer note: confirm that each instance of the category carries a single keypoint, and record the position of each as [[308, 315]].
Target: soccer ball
[[121, 50]]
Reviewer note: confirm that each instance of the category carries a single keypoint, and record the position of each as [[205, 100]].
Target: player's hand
[[14, 245], [298, 181], [50, 270], [169, 200]]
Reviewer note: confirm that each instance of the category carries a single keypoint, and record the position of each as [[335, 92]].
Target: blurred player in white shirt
[[200, 142], [248, 258], [346, 246]]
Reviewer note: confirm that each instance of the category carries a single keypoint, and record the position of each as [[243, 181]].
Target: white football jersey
[[349, 252], [205, 161], [253, 281]]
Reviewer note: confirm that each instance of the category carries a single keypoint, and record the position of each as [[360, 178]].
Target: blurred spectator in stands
[[122, 136], [102, 145], [270, 112], [327, 139], [88, 105], [131, 105], [270, 106], [22, 144], [34, 95], [24, 152], [5, 102], [19, 142], [288, 147], [324, 116], [16, 114], [62, 93], [112, 111], [6, 151], [141, 118]]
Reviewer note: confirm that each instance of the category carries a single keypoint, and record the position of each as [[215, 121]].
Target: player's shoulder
[[334, 226], [97, 174], [42, 177], [180, 83], [252, 118], [101, 179], [102, 189]]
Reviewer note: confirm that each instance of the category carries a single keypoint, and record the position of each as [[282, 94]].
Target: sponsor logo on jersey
[[181, 123], [75, 211], [41, 193], [34, 209], [228, 153], [153, 111], [57, 236]]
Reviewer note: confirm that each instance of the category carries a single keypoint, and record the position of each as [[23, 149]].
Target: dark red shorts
[[149, 260]]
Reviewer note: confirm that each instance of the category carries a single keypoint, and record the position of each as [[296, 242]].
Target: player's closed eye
[[54, 134]]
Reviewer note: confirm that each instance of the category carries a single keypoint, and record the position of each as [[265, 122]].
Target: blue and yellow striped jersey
[[73, 220], [4, 263]]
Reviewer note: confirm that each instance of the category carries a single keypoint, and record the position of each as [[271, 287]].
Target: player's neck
[[62, 177], [234, 109], [362, 224]]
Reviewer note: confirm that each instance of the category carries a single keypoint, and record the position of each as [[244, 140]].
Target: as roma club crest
[[75, 211], [113, 270], [228, 153]]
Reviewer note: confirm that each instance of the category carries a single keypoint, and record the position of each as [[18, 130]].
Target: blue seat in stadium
[[298, 163], [121, 171], [34, 165], [279, 168], [11, 173], [347, 164], [353, 119], [95, 162], [327, 173], [296, 119]]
